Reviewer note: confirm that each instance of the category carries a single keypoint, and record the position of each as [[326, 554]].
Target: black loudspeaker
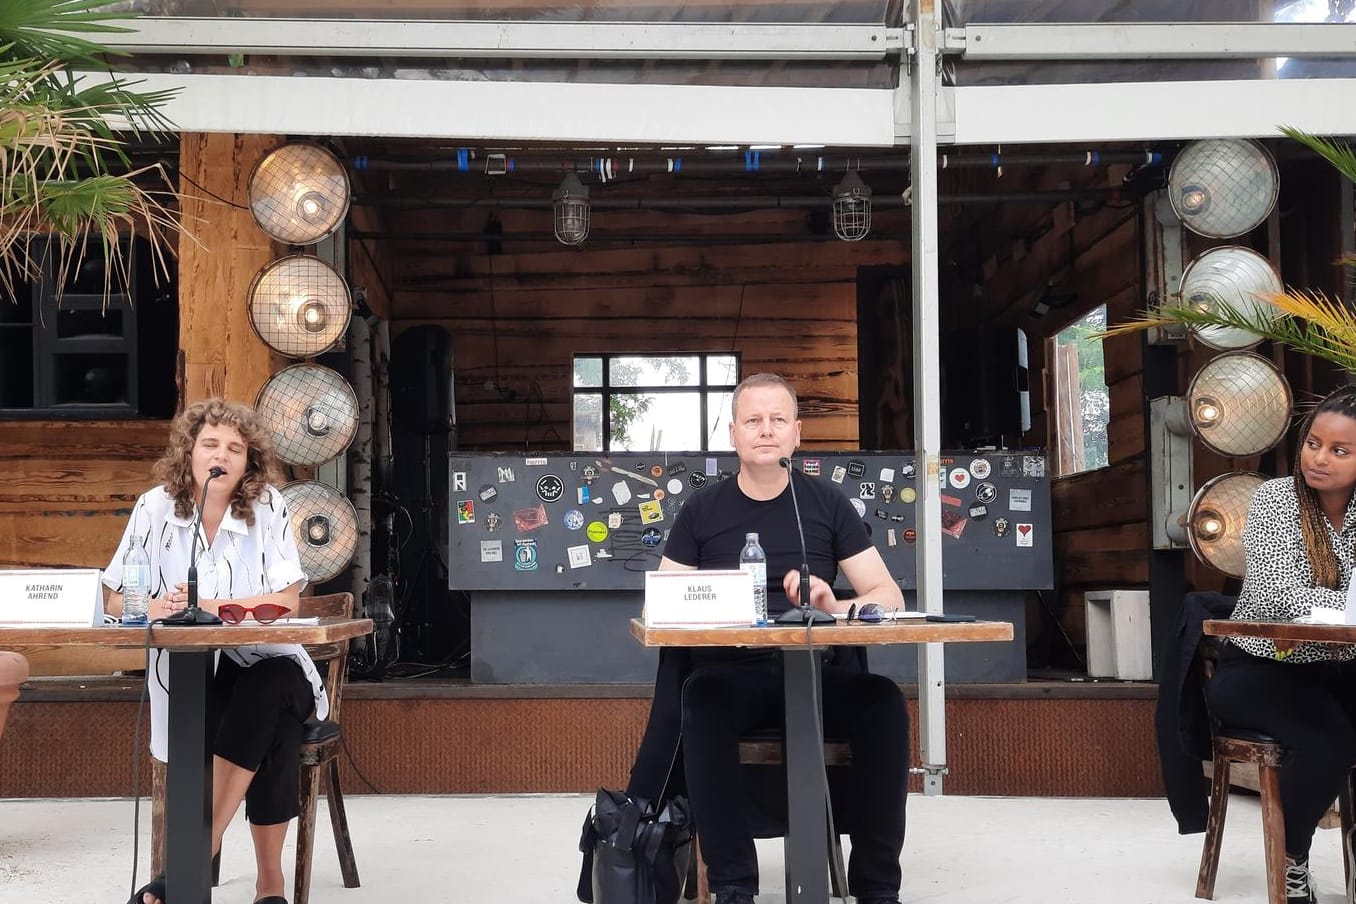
[[421, 380], [986, 399]]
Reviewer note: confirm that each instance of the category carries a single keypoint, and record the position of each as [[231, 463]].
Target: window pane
[[654, 370], [649, 421], [718, 420], [588, 371], [722, 370], [588, 421], [1082, 402]]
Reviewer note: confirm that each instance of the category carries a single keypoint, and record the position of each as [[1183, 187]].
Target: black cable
[[343, 744], [137, 754], [190, 180]]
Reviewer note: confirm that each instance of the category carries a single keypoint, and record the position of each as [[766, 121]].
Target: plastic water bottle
[[754, 561], [136, 584]]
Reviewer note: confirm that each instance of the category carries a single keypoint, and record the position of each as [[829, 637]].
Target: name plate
[[675, 599], [60, 597]]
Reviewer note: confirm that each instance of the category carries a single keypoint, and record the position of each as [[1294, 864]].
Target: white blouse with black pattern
[[1279, 581]]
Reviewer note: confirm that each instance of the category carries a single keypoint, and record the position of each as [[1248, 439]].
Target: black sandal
[[155, 887], [272, 899]]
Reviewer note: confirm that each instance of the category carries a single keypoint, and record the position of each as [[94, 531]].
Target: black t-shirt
[[710, 528]]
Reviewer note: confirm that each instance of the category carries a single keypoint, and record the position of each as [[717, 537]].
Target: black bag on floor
[[633, 855]]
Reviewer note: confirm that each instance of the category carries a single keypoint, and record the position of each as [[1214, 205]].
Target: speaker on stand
[[432, 624]]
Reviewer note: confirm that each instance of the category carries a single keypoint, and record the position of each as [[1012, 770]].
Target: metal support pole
[[926, 398], [188, 799]]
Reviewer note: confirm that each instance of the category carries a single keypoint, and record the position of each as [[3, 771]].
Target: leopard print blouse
[[1279, 583]]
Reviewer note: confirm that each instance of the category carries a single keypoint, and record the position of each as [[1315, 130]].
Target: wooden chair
[[319, 761], [13, 672], [766, 750], [1239, 746]]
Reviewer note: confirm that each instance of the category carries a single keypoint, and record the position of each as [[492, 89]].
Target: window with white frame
[[671, 403], [1081, 406]]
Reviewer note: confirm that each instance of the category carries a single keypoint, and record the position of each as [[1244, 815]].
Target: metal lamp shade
[[324, 526], [312, 412], [1239, 404], [1222, 188], [299, 194], [1230, 277], [1216, 517], [299, 306]]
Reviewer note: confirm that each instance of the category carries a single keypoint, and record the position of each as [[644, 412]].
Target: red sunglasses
[[264, 613]]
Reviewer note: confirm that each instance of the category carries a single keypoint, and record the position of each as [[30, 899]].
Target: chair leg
[[703, 882], [1273, 831], [837, 873], [1346, 807], [690, 880], [343, 843], [1214, 828], [157, 817], [310, 788]]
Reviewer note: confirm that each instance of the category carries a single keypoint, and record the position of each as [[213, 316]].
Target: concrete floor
[[505, 848]]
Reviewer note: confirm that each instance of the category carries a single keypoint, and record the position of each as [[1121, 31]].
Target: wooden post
[[219, 353]]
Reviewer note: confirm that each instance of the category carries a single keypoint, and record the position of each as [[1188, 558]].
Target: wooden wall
[[518, 319]]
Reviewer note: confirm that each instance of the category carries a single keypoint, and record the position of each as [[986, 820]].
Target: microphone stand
[[192, 615], [806, 614]]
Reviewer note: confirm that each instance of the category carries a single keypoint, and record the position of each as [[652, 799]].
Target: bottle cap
[[751, 537]]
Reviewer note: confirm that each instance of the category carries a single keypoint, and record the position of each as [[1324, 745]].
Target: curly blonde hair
[[175, 467]]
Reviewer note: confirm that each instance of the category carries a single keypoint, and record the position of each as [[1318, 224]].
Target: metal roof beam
[[1150, 41]]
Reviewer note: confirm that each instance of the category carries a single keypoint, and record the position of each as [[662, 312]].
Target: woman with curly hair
[[262, 693], [1299, 541]]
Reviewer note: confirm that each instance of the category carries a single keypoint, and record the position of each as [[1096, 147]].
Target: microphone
[[192, 615], [806, 614]]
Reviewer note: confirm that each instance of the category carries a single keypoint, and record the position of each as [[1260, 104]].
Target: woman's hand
[[171, 602]]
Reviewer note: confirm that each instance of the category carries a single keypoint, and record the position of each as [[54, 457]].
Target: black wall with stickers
[[576, 521]]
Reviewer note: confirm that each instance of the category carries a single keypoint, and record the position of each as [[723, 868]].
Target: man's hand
[[821, 594]]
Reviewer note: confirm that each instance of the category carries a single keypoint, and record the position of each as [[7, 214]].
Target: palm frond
[[1336, 152], [52, 29]]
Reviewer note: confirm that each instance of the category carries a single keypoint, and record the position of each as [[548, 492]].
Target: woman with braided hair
[[1299, 542]]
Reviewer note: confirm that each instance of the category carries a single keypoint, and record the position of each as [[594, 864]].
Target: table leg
[[188, 797], [806, 843]]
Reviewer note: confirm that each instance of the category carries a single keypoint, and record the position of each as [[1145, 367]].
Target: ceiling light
[[851, 208], [571, 205], [1230, 277], [299, 194], [1222, 188], [1239, 404]]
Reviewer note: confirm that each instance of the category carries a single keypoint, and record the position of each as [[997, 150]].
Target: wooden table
[[1281, 630], [806, 842], [188, 801]]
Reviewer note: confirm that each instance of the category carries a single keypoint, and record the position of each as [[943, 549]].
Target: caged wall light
[[851, 208], [1222, 188], [570, 205], [299, 194]]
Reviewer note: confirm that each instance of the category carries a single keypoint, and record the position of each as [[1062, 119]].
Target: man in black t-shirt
[[731, 691]]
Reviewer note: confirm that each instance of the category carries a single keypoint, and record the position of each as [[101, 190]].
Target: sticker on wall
[[579, 556], [614, 520], [506, 474], [488, 493], [651, 537], [696, 480], [1000, 527], [960, 478], [887, 475], [573, 520], [909, 469], [986, 493], [953, 523], [1025, 535], [493, 520], [811, 467], [525, 555], [466, 511], [659, 495], [907, 495], [950, 500], [491, 550], [1008, 467], [459, 481], [529, 519], [867, 490], [882, 514], [1019, 500], [677, 468], [675, 486], [621, 492], [839, 472], [856, 468], [887, 493], [597, 531], [1033, 466], [859, 506], [550, 488], [980, 468], [897, 516], [979, 511], [590, 473], [535, 460], [651, 512], [890, 539]]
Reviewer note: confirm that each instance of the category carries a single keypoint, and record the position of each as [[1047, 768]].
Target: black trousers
[[1311, 710], [723, 700], [261, 713]]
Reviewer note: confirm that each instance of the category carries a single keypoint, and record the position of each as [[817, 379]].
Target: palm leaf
[[52, 29], [1333, 150]]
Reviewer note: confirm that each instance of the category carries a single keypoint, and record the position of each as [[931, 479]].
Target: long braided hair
[[1313, 523]]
